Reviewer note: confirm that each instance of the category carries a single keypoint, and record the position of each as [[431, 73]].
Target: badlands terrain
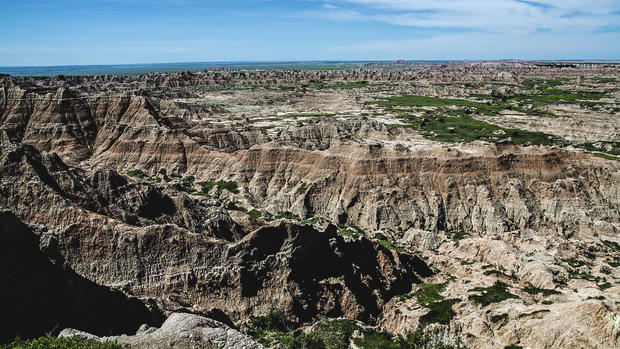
[[397, 205]]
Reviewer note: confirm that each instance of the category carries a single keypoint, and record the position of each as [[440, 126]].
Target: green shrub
[[458, 235], [585, 276], [430, 293], [335, 333], [612, 245], [440, 309], [189, 180], [228, 185], [136, 173], [536, 312], [273, 329], [385, 243], [494, 294], [75, 342], [575, 263], [544, 291], [287, 215], [440, 312], [234, 206], [498, 318], [496, 273], [302, 188], [254, 213], [378, 340]]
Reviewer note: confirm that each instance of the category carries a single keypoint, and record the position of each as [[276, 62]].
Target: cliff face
[[344, 176], [136, 238], [40, 294], [249, 197]]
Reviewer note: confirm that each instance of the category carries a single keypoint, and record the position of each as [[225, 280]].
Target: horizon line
[[602, 60]]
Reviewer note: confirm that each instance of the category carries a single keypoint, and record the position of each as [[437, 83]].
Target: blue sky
[[50, 32]]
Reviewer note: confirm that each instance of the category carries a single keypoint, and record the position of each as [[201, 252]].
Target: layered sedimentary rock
[[40, 294], [178, 195], [138, 239]]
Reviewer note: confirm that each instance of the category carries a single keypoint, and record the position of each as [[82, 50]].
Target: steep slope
[[39, 294], [136, 238]]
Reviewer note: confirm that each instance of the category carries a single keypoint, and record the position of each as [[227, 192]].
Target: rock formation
[[365, 194]]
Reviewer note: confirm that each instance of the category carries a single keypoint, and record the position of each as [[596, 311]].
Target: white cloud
[[505, 16], [490, 46]]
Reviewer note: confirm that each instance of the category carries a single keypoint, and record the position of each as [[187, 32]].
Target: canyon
[[466, 204]]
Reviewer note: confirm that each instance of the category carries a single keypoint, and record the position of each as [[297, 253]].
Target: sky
[[50, 32]]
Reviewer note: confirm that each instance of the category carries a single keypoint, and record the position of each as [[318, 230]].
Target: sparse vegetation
[[386, 243], [498, 318], [136, 173], [493, 294], [585, 276], [513, 346], [440, 309], [612, 245], [440, 312], [273, 329], [287, 215], [467, 129], [544, 291], [163, 174], [495, 272], [534, 313], [430, 293], [458, 235], [606, 156], [189, 180], [603, 79], [303, 186], [48, 342], [234, 206], [206, 186], [254, 213]]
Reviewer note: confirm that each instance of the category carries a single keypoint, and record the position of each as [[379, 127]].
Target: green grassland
[[467, 129]]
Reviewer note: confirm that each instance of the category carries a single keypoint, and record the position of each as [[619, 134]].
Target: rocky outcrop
[[172, 187], [40, 294], [136, 238], [180, 331]]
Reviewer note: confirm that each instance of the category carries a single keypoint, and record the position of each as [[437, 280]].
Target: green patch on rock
[[136, 173], [440, 312], [498, 318], [467, 129], [495, 272], [430, 293], [254, 213], [513, 346], [544, 291], [574, 263], [493, 294], [612, 245], [386, 243], [224, 185], [287, 215], [440, 309]]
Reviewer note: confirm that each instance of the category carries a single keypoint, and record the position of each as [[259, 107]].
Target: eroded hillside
[[467, 204]]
